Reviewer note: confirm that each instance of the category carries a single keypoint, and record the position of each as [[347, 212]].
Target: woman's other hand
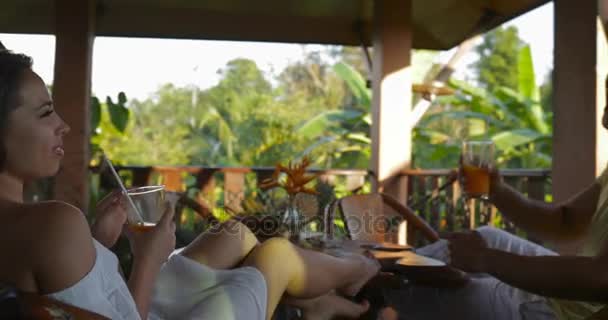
[[153, 245], [111, 215]]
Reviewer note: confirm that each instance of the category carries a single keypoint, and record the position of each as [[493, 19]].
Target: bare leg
[[223, 246], [388, 313], [328, 306], [307, 274]]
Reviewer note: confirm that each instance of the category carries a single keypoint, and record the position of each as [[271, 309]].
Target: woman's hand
[[153, 245], [466, 250], [150, 248], [111, 215]]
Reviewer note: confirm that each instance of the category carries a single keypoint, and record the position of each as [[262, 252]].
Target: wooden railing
[[443, 206], [431, 194]]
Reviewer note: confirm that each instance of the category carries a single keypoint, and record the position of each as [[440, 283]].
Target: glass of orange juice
[[477, 157], [150, 204]]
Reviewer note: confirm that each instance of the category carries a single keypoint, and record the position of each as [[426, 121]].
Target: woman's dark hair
[[12, 66]]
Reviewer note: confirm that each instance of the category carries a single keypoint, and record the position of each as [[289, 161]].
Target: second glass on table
[[150, 202], [477, 158]]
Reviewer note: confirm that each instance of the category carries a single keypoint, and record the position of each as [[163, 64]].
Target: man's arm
[[554, 222], [576, 278], [569, 277]]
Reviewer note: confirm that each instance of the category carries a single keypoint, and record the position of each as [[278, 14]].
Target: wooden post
[[574, 97], [602, 82], [391, 104], [172, 178], [71, 94]]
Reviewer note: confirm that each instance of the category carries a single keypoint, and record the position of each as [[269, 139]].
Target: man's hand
[[466, 250], [111, 215], [494, 176]]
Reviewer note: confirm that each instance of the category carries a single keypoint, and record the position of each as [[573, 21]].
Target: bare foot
[[328, 306], [388, 313], [368, 268]]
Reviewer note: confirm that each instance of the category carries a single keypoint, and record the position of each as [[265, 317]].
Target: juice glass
[[150, 204], [477, 157]]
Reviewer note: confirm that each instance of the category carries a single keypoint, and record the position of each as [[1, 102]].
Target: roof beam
[[202, 24]]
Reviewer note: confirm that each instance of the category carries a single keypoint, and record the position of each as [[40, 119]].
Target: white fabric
[[185, 289], [102, 290], [484, 297], [437, 250]]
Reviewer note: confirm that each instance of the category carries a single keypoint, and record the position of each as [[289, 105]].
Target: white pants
[[484, 297]]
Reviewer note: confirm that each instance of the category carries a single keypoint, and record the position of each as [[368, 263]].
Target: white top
[[102, 290], [184, 289], [188, 290]]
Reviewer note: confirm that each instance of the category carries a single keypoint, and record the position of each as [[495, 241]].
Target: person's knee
[[491, 235], [271, 249], [235, 228], [265, 256], [487, 230], [278, 246], [231, 226]]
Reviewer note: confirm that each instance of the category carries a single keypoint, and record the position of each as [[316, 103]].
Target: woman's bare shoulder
[[61, 245], [50, 219], [59, 225], [40, 219], [48, 243]]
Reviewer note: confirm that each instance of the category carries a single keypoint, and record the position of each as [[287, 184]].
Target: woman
[[53, 252]]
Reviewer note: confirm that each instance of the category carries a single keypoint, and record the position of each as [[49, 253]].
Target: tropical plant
[[345, 131], [514, 120], [498, 53], [108, 116], [106, 119]]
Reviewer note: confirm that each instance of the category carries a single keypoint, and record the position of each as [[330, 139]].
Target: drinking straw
[[122, 187]]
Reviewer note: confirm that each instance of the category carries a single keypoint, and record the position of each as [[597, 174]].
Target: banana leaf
[[525, 74], [514, 138], [119, 114], [355, 82], [324, 121], [95, 114]]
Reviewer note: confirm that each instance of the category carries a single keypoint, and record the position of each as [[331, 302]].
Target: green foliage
[[498, 54], [118, 115], [95, 114], [242, 121], [355, 82], [154, 135], [515, 120], [323, 111]]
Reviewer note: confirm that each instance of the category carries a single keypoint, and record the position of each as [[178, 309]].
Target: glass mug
[[477, 158], [150, 202]]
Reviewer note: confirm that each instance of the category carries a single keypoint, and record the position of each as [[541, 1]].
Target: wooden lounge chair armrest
[[600, 315], [411, 218], [15, 304]]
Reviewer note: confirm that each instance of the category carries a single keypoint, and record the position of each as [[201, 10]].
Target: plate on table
[[428, 271], [411, 259], [385, 246]]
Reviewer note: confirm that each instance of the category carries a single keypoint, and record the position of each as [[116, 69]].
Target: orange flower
[[296, 178]]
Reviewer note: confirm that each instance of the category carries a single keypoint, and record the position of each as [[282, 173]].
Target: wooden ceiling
[[437, 24]]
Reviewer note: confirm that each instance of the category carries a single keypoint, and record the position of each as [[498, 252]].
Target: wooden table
[[406, 263]]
